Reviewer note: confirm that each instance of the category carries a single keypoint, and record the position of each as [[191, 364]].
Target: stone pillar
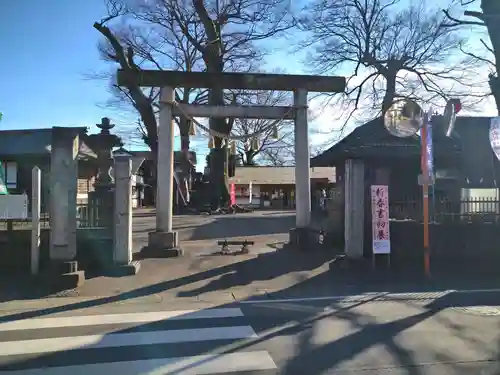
[[354, 208], [122, 238], [164, 241], [336, 210], [300, 235], [63, 189], [302, 162]]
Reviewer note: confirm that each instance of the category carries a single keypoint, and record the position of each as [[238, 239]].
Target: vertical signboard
[[381, 242]]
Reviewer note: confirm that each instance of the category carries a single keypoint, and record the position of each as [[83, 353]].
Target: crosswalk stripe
[[195, 365], [59, 344], [104, 344], [92, 320]]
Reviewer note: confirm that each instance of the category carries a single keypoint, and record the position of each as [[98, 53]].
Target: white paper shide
[[381, 242]]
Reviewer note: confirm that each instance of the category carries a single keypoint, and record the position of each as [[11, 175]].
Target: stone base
[[162, 245], [161, 252], [64, 275], [124, 269], [167, 240]]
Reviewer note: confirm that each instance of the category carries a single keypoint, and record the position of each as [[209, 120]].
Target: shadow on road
[[208, 227], [310, 357], [242, 226]]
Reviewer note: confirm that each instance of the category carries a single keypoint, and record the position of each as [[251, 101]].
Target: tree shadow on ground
[[268, 266], [263, 267], [310, 358], [195, 228], [230, 226]]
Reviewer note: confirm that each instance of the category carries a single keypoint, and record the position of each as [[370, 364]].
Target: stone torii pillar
[[164, 241], [302, 162]]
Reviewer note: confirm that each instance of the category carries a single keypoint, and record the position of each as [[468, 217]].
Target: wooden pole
[[425, 196]]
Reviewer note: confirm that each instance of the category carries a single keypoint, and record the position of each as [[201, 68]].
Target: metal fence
[[23, 224], [483, 209], [93, 212], [87, 216], [87, 213]]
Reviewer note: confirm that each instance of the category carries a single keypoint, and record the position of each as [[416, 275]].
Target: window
[[10, 174]]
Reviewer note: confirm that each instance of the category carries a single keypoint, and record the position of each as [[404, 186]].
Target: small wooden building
[[464, 166], [387, 159], [21, 150], [275, 186]]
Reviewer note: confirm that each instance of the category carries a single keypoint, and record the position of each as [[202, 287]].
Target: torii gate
[[164, 237]]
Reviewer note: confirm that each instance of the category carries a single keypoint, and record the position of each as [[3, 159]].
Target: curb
[[167, 302], [52, 302]]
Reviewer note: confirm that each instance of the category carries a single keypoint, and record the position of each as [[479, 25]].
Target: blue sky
[[47, 49]]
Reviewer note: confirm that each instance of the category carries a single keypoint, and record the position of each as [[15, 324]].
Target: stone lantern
[[102, 197]]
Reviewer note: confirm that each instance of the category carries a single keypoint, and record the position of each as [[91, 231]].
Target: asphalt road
[[414, 333]]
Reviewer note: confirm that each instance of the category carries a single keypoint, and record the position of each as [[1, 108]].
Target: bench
[[244, 246]]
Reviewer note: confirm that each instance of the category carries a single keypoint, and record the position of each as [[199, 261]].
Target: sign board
[[250, 193], [495, 136], [381, 242], [13, 207], [232, 195]]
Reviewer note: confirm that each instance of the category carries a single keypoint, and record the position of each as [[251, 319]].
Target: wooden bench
[[244, 246]]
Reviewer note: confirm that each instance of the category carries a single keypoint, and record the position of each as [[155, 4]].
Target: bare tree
[[143, 46], [275, 143], [392, 51], [487, 18], [222, 34]]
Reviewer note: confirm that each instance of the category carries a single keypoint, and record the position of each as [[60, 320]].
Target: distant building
[[21, 150], [275, 186]]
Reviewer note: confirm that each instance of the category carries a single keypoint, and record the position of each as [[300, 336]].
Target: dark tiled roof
[[370, 139], [33, 142], [480, 166], [469, 141], [22, 142]]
